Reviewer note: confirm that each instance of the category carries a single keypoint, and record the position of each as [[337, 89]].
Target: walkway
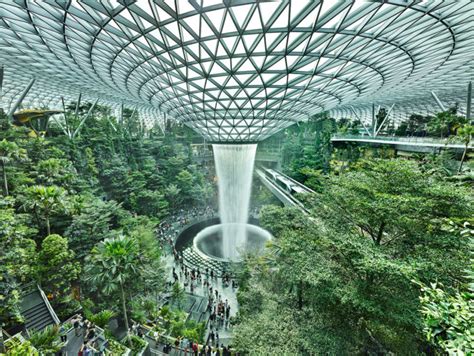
[[428, 142]]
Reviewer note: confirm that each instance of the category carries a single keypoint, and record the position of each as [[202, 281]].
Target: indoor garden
[[212, 177]]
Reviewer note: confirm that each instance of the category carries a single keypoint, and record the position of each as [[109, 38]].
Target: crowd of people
[[170, 227], [87, 330], [204, 282]]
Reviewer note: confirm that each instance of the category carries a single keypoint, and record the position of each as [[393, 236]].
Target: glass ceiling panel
[[237, 70]]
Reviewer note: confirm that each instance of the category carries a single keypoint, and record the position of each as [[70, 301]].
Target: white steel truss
[[236, 70]]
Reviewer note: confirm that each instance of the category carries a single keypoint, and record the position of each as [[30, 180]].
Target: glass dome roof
[[235, 70]]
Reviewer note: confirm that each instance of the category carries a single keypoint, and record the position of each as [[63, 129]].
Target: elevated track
[[285, 188]]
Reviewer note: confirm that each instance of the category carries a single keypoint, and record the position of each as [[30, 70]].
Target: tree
[[389, 200], [56, 265], [54, 171], [446, 123], [177, 295], [92, 223], [112, 265], [17, 259], [45, 201], [448, 317], [343, 278], [185, 182], [172, 193], [9, 151], [149, 202]]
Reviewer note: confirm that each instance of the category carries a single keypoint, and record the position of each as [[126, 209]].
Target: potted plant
[[138, 345], [17, 346], [116, 348]]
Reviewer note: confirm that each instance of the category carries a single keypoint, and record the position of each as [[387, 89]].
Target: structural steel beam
[[373, 120], [84, 119], [67, 131], [384, 120], [469, 101], [440, 104], [77, 105], [21, 97], [362, 122], [1, 81]]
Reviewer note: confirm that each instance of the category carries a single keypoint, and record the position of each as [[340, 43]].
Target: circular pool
[[209, 242], [201, 244]]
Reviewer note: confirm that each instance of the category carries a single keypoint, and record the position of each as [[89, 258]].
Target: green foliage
[[113, 263], [44, 202], [17, 258], [101, 319], [17, 347], [56, 265], [137, 344], [446, 123], [115, 348], [307, 148], [46, 341], [149, 202], [177, 295], [340, 281], [9, 151], [449, 317], [92, 223]]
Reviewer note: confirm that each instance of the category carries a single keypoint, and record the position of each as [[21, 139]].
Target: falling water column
[[234, 166]]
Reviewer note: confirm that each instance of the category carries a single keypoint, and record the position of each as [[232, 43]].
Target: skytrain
[[285, 182]]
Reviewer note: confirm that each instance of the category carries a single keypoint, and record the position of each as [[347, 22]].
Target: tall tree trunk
[[5, 181], [463, 157], [124, 310], [48, 227]]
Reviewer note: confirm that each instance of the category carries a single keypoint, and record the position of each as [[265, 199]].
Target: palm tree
[[45, 199], [9, 151], [112, 263]]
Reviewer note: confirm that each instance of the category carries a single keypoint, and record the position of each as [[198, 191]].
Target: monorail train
[[283, 182]]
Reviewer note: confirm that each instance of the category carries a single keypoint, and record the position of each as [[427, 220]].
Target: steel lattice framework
[[236, 70]]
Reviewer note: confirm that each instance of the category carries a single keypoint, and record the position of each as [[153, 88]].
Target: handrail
[[48, 306], [411, 139]]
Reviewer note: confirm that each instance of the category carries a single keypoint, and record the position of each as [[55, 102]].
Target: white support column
[[440, 104], [20, 98], [384, 119], [84, 119], [1, 81], [78, 103], [362, 122], [469, 101]]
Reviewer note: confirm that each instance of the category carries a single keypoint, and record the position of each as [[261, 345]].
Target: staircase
[[37, 311], [193, 260]]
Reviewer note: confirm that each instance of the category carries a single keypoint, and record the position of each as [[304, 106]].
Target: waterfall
[[234, 166]]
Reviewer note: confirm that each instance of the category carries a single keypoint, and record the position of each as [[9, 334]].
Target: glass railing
[[428, 140]]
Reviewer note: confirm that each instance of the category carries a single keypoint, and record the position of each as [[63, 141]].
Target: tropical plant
[[177, 295], [112, 264], [45, 201], [47, 341], [102, 318], [137, 344], [17, 347], [115, 348], [56, 267], [448, 317]]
